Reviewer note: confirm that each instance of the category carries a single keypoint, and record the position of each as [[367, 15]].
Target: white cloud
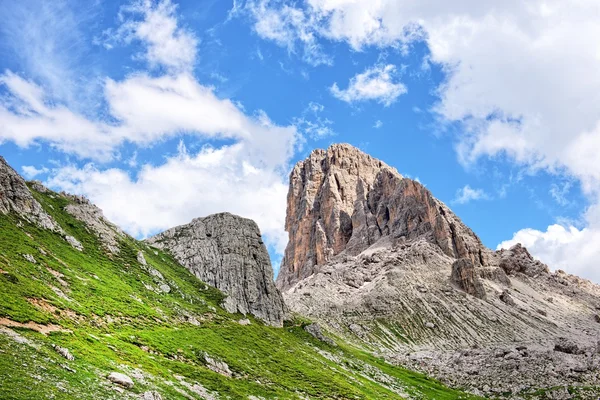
[[285, 26], [30, 172], [565, 247], [167, 44], [375, 83], [466, 194], [378, 124], [184, 187], [47, 40], [312, 124], [559, 192]]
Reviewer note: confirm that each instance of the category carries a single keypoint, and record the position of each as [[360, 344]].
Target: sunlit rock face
[[227, 252]]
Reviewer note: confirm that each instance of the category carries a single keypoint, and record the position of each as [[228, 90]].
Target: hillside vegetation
[[112, 313]]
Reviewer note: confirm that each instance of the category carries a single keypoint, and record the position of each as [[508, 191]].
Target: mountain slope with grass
[[87, 312]]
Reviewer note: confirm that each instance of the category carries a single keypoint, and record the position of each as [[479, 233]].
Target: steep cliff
[[226, 251], [342, 200], [16, 197]]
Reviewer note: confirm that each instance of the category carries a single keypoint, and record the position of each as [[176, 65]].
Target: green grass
[[116, 324]]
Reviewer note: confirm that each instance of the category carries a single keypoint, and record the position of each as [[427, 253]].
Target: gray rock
[[151, 395], [120, 379], [16, 197], [107, 232], [63, 352], [568, 346], [165, 288], [518, 260], [74, 242], [315, 330], [141, 259], [30, 258], [227, 251], [343, 200], [465, 276], [217, 366], [507, 298]]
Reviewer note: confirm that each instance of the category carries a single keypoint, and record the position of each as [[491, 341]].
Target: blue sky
[[162, 111]]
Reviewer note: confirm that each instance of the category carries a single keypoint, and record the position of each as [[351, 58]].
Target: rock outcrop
[[342, 200], [93, 217], [227, 251], [16, 197], [465, 276]]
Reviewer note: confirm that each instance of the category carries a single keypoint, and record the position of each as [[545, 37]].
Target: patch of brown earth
[[43, 305], [34, 326]]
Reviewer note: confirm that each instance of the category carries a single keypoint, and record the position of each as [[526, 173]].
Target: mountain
[[227, 252], [88, 312], [378, 260]]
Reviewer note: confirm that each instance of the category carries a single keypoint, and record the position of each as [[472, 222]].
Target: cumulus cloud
[[287, 26], [376, 83], [563, 247], [30, 172], [166, 43], [186, 186], [466, 194]]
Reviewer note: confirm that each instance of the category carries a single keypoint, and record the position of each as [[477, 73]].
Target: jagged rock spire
[[343, 200]]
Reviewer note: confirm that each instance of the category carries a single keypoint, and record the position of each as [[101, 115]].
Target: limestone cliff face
[[16, 197], [343, 200], [226, 251]]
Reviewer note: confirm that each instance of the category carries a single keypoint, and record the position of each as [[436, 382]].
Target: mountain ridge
[[407, 277]]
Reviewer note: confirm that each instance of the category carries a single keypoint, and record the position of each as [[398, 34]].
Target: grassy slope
[[116, 323]]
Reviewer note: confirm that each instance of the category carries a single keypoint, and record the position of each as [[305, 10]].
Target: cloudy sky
[[161, 111]]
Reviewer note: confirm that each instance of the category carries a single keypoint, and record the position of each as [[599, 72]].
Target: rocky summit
[[227, 251], [376, 258]]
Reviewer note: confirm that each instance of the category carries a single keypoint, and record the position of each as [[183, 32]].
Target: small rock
[[165, 288], [74, 243], [597, 318], [151, 395], [507, 298], [63, 352], [565, 345], [121, 379], [30, 258], [141, 259], [244, 322], [217, 366], [315, 331], [430, 325]]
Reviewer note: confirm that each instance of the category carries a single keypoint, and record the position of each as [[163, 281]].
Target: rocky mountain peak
[[16, 197], [227, 251], [342, 200]]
